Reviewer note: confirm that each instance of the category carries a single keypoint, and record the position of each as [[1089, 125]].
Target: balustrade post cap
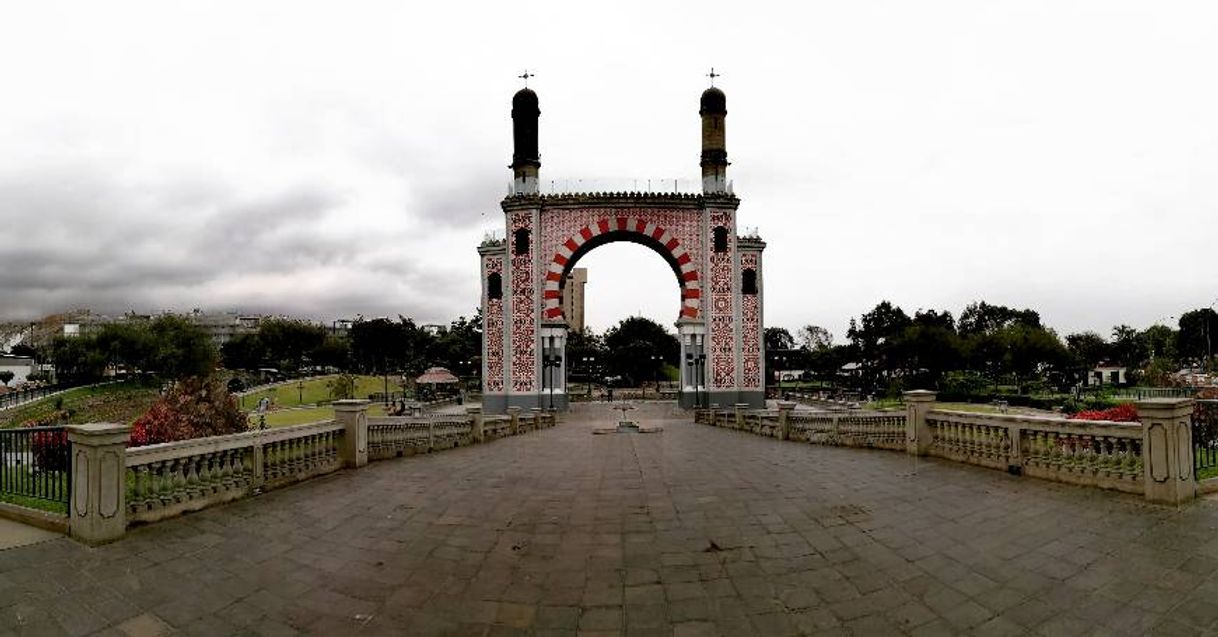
[[473, 410], [742, 405], [535, 410], [785, 404], [920, 395], [1164, 407], [99, 433], [351, 404], [513, 409]]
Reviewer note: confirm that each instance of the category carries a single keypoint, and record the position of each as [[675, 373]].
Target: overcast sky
[[328, 160]]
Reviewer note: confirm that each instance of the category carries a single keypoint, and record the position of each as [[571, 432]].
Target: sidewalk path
[[693, 531]]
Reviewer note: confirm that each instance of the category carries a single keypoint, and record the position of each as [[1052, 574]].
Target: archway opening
[[628, 348]]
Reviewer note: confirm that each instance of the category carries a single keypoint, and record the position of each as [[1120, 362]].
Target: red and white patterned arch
[[691, 286]]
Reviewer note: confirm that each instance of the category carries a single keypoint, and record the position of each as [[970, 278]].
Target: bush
[[1124, 412], [49, 448], [193, 408]]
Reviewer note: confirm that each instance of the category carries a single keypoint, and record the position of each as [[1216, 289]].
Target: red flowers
[[1125, 412]]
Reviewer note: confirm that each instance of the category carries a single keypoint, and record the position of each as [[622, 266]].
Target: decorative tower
[[525, 159], [714, 141]]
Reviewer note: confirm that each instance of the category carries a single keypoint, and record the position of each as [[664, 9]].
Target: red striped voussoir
[[691, 290]]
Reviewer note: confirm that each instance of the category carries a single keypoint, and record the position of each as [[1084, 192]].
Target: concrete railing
[[1153, 457], [114, 486], [169, 479]]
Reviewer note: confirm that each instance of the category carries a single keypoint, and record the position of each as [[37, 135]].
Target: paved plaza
[[693, 531]]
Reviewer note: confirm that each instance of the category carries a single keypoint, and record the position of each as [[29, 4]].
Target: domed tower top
[[714, 139], [525, 159], [714, 102]]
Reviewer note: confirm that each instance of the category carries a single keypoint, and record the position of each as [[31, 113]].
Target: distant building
[[20, 366], [1106, 373], [573, 299], [341, 327], [432, 329]]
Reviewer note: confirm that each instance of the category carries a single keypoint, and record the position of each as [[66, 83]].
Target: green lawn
[[306, 415], [120, 402], [52, 482], [310, 392]]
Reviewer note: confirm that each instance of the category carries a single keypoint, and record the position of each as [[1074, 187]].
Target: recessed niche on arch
[[520, 241], [494, 286], [748, 281], [720, 239]]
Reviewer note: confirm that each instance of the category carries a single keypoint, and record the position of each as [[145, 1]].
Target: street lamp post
[[694, 363], [550, 362], [300, 393]]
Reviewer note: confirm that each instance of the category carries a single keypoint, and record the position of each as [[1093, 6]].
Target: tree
[[21, 349], [928, 348], [777, 338], [1129, 348], [179, 349], [289, 343], [1088, 348], [983, 318], [874, 337], [244, 351], [1161, 341], [814, 338], [586, 355], [193, 408], [637, 349], [6, 376], [1198, 334]]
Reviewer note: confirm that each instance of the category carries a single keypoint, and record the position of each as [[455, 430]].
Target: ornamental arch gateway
[[718, 272]]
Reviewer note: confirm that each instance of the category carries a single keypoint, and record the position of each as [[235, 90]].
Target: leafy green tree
[[929, 348], [1161, 341], [778, 338], [814, 338], [586, 355], [289, 343], [244, 351], [637, 349], [1088, 349], [983, 318], [6, 376], [76, 359], [179, 349], [875, 337], [1198, 334], [1129, 348]]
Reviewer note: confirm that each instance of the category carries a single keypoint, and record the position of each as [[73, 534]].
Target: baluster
[[136, 498], [190, 476]]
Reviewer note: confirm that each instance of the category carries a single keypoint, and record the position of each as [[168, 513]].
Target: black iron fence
[[35, 466], [1205, 439], [19, 396]]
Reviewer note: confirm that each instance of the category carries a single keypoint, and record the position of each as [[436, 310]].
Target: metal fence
[[14, 398], [1205, 439], [35, 465]]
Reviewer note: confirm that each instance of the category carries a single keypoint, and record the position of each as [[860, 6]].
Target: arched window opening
[[494, 286], [520, 241], [748, 281], [720, 239]]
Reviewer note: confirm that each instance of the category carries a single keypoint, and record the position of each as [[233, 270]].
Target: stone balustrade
[[1096, 453], [1152, 457], [116, 486], [169, 479]]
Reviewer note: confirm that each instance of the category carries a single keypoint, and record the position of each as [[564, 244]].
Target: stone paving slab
[[14, 534], [695, 531]]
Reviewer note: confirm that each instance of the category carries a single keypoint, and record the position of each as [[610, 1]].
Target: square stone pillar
[[353, 416], [784, 416], [1167, 449], [918, 435], [475, 415], [740, 407], [514, 414], [97, 509]]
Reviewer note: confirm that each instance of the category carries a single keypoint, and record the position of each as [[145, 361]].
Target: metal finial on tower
[[526, 75], [712, 75]]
